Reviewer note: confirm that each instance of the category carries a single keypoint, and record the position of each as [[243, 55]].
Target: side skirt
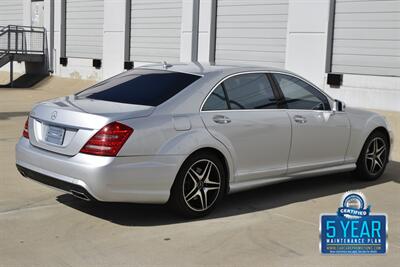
[[241, 186]]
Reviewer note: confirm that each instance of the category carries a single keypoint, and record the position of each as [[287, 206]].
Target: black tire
[[185, 184], [367, 157]]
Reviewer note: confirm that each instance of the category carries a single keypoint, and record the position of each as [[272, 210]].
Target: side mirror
[[338, 106]]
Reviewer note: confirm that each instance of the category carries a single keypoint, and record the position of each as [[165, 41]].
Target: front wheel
[[374, 157], [199, 186]]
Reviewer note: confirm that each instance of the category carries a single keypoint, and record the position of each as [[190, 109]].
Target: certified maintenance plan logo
[[353, 229]]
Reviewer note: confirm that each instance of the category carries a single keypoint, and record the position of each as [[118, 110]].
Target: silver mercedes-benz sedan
[[187, 135]]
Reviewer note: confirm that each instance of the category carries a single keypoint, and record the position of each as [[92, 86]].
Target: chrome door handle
[[299, 119], [221, 119]]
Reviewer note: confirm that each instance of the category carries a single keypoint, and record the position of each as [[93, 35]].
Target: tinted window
[[217, 100], [141, 87], [250, 91], [301, 95]]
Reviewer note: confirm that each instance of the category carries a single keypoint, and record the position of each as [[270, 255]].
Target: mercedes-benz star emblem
[[54, 115]]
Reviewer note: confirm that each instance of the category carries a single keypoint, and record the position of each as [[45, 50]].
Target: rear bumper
[[67, 187], [137, 179]]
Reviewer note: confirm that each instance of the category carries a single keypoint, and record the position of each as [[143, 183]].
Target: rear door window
[[140, 87], [250, 91], [217, 100]]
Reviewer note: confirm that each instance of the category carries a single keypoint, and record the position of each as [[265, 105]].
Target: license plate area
[[55, 135]]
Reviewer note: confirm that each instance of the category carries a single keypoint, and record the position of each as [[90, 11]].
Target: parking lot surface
[[271, 226]]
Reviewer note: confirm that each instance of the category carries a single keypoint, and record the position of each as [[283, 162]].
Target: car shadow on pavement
[[259, 199]]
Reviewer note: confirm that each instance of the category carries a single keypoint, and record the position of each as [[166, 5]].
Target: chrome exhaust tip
[[80, 195]]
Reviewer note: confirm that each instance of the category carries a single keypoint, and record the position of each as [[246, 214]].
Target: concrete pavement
[[270, 226]]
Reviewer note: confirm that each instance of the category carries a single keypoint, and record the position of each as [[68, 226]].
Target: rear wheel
[[199, 186], [374, 157]]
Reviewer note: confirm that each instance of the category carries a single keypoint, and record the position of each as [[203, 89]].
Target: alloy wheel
[[201, 185], [375, 158]]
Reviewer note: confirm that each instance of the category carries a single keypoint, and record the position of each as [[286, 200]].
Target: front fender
[[363, 123]]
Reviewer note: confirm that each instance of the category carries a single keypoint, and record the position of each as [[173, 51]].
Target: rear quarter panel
[[163, 135]]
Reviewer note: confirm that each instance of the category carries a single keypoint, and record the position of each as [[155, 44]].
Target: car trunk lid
[[64, 125]]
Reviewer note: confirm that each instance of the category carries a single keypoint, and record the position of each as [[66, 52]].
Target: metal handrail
[[17, 37]]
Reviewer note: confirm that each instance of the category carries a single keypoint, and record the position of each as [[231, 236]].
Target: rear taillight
[[25, 132], [108, 140]]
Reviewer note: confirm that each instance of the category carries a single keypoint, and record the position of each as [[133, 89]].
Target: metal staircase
[[23, 44]]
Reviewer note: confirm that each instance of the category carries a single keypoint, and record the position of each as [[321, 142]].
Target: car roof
[[204, 69]]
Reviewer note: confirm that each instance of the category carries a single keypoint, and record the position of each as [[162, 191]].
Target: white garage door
[[251, 32], [156, 30], [11, 12], [366, 37], [84, 28]]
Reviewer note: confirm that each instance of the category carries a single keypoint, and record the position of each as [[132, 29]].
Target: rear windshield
[[140, 87]]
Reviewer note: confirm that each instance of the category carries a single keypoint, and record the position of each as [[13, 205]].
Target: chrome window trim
[[272, 109], [330, 100]]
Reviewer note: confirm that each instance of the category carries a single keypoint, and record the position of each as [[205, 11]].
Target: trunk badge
[[54, 115]]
